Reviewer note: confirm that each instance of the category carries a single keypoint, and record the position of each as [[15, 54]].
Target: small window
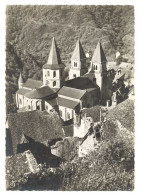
[[20, 101], [54, 83], [75, 64], [29, 107], [96, 67], [54, 74], [38, 107], [74, 75], [48, 73], [46, 107], [60, 112]]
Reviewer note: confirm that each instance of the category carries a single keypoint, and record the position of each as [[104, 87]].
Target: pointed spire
[[20, 78], [78, 52], [99, 55], [54, 57]]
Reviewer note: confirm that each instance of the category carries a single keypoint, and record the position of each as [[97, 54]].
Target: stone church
[[85, 88]]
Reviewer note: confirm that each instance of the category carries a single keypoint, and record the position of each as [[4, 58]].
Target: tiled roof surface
[[23, 91], [37, 125], [32, 84], [71, 92], [39, 93], [78, 52], [67, 103], [52, 102], [99, 55], [83, 83]]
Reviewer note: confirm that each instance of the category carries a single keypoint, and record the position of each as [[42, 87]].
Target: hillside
[[29, 30]]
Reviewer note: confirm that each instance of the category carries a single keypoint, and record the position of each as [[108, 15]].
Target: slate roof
[[32, 84], [78, 52], [40, 93], [71, 92], [52, 102], [23, 91], [67, 103], [54, 60], [84, 82], [37, 125], [99, 55]]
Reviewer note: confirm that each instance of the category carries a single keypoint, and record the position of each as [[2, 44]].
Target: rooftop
[[67, 103], [39, 126], [54, 60], [71, 92], [39, 93], [32, 84], [23, 91], [84, 82], [78, 52], [99, 55]]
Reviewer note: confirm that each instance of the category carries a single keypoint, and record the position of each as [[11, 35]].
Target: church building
[[84, 89]]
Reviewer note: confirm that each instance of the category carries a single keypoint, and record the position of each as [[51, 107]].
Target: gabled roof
[[78, 52], [54, 60], [32, 84], [40, 93], [71, 92], [23, 91], [99, 56], [39, 126], [20, 79], [67, 103]]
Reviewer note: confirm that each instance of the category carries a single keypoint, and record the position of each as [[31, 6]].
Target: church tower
[[53, 69], [20, 81], [78, 62], [98, 64]]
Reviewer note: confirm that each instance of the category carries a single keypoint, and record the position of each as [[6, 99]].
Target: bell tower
[[98, 64], [53, 69], [20, 81], [78, 62]]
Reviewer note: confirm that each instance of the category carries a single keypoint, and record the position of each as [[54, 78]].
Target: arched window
[[54, 83], [54, 74], [48, 73], [96, 67]]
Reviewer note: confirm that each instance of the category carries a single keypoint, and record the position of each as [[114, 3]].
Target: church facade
[[85, 87]]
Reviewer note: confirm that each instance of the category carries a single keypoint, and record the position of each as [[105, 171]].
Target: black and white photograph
[[69, 97]]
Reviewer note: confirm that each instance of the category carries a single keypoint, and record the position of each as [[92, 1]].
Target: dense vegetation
[[30, 29]]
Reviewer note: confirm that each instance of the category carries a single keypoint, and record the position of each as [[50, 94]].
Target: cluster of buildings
[[86, 86]]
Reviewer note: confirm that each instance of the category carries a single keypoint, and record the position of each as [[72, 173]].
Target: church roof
[[67, 103], [84, 82], [38, 125], [20, 79], [99, 55], [71, 92], [23, 91], [78, 52], [54, 60], [39, 93], [32, 84]]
